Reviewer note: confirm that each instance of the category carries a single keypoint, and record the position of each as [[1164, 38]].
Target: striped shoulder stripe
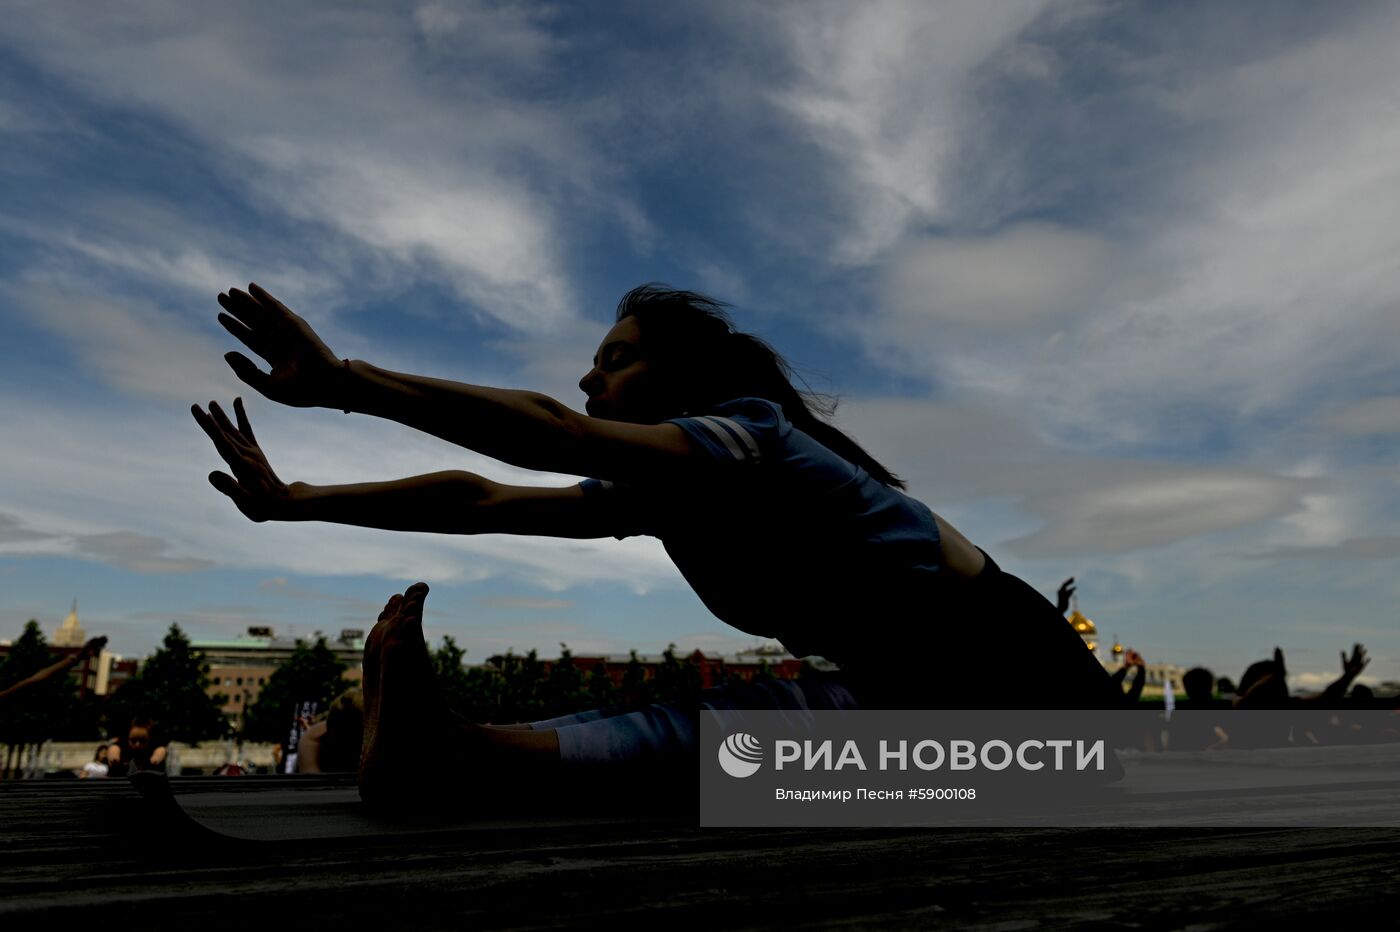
[[744, 436], [728, 431], [721, 435]]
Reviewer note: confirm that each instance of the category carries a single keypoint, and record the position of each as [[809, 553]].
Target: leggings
[[657, 733], [1046, 663]]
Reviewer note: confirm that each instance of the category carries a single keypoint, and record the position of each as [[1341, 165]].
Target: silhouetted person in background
[[1194, 723], [1132, 661], [1264, 685], [139, 750], [1064, 595], [96, 768], [694, 433], [332, 744]]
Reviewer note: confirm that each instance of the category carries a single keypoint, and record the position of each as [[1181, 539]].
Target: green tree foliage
[[311, 674], [516, 688], [601, 690], [522, 689], [459, 689], [475, 693], [636, 684], [563, 692], [169, 689], [677, 679]]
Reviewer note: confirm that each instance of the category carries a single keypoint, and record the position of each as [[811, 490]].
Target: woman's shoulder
[[757, 410], [745, 430]]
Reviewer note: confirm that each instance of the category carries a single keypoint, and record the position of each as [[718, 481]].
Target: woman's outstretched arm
[[449, 502], [523, 428]]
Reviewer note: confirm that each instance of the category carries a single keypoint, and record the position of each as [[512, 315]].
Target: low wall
[[71, 755]]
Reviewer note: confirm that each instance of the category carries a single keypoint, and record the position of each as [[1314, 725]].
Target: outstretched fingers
[[245, 426], [247, 309], [270, 305], [244, 334], [247, 371], [216, 411], [211, 427], [253, 485]]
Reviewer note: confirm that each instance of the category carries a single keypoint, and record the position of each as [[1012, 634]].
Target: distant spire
[[70, 633]]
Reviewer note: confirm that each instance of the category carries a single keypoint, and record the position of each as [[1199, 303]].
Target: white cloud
[[1315, 681], [1356, 548], [1257, 265], [13, 531], [1367, 418], [341, 119], [1083, 504], [140, 349], [1123, 507], [1030, 274], [883, 89], [109, 240], [129, 549], [139, 552], [509, 35], [528, 603]]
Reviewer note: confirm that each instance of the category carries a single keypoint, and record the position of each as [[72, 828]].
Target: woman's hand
[[304, 372], [254, 487]]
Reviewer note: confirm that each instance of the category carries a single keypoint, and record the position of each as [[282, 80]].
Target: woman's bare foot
[[407, 722], [413, 736]]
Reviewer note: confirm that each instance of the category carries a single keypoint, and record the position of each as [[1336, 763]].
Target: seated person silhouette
[[332, 744], [1195, 724], [1264, 687], [694, 433], [139, 750]]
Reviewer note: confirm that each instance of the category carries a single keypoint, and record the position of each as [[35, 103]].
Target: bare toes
[[391, 607]]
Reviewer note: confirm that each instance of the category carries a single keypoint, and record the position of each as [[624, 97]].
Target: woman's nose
[[585, 384]]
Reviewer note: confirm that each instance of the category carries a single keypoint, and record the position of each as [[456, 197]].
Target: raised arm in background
[[93, 646]]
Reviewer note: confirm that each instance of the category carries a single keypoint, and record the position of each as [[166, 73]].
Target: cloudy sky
[[1114, 286]]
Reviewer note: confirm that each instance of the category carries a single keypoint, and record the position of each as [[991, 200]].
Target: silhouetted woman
[[694, 433]]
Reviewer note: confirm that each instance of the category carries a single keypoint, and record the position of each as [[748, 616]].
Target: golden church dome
[[1081, 624]]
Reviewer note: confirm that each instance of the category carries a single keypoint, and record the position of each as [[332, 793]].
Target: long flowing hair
[[710, 362]]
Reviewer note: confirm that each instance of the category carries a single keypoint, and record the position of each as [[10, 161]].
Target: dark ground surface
[[75, 854]]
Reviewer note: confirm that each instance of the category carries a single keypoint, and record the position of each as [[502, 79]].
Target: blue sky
[[1113, 285]]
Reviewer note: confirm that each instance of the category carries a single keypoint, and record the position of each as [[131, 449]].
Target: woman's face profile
[[623, 384]]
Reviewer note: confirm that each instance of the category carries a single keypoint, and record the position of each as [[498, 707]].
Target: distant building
[[70, 633], [239, 668], [1158, 674]]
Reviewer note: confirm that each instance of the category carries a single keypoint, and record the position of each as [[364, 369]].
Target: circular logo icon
[[740, 755]]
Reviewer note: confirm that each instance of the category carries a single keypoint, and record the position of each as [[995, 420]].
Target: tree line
[[171, 689]]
